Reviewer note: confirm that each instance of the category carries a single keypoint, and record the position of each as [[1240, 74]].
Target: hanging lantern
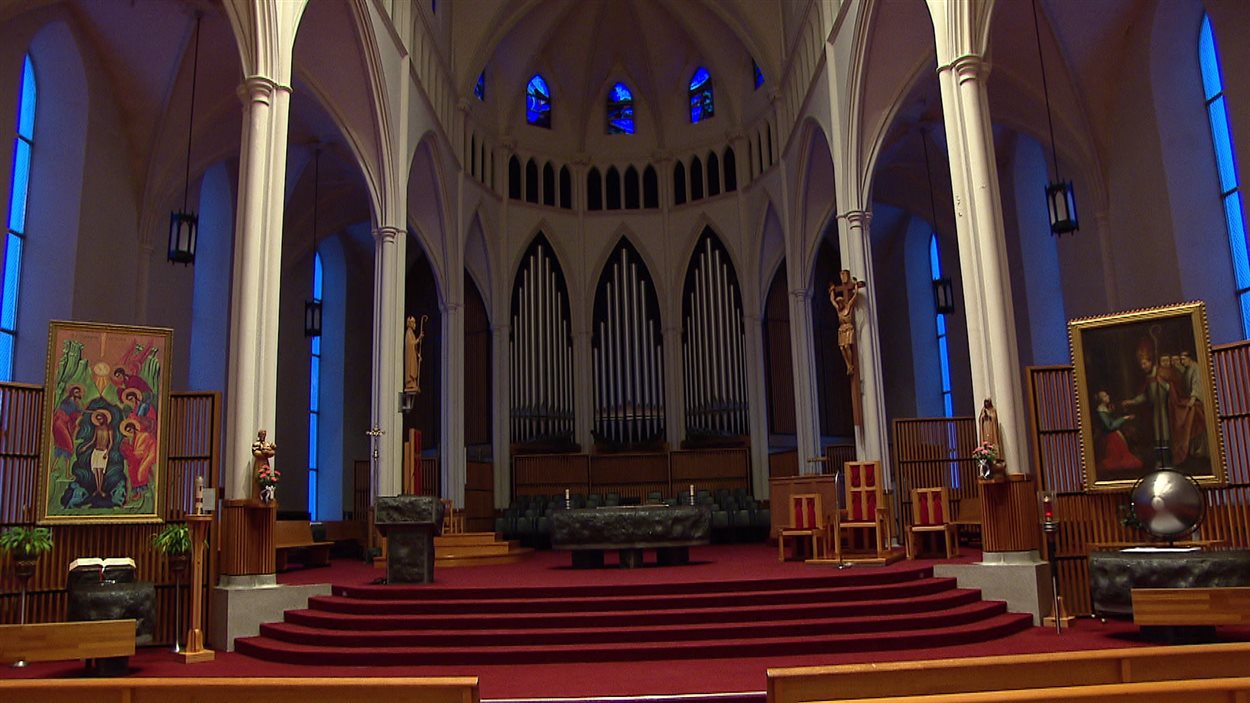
[[312, 318], [183, 227], [943, 296], [1061, 200]]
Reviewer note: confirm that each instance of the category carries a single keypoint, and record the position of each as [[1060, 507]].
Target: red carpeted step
[[978, 631], [672, 614], [530, 602], [833, 579], [591, 632]]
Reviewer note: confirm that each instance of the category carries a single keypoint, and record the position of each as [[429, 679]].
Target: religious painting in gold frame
[[105, 423], [1145, 396]]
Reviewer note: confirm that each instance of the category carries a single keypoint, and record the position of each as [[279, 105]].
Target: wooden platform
[[476, 549], [865, 558]]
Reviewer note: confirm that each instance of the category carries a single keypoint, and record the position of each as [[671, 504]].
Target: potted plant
[[26, 544], [174, 541]]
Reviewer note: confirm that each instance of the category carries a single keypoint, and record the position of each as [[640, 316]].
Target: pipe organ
[[627, 356], [541, 355], [713, 352]]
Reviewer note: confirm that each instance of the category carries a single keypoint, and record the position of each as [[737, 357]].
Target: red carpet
[[647, 677]]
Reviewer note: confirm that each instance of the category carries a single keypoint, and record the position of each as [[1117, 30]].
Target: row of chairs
[[867, 515]]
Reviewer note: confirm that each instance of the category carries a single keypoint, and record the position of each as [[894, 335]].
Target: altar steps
[[830, 613]]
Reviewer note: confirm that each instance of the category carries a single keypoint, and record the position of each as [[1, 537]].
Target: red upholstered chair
[[866, 508], [931, 512], [807, 520]]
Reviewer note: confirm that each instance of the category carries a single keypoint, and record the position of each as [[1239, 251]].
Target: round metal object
[[1167, 503]]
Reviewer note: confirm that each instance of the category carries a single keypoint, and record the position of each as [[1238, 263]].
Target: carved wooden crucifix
[[844, 295]]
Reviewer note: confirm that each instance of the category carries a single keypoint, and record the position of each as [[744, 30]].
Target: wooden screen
[[934, 453], [1087, 519], [194, 437], [632, 475]]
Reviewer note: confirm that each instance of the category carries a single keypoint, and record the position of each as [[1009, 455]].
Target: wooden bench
[[57, 641], [1224, 690], [296, 535], [193, 689], [967, 678]]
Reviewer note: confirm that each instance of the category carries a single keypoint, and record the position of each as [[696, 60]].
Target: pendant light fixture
[[1060, 197], [183, 224], [312, 306]]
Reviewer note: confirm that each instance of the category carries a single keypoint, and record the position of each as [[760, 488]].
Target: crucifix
[[844, 295]]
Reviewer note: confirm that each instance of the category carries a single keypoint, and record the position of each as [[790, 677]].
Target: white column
[[802, 352], [389, 244], [252, 374], [872, 438], [982, 252], [451, 448]]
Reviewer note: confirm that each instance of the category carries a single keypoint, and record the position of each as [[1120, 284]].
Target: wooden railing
[[461, 689], [991, 678], [632, 475]]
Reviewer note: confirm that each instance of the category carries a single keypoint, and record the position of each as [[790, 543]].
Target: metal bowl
[[1167, 503]]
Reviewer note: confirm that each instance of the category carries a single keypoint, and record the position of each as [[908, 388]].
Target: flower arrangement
[[985, 453], [267, 478]]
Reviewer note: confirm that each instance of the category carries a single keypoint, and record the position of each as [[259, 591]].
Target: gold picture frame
[[105, 424], [1145, 396]]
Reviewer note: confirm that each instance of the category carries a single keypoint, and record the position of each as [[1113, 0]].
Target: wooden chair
[[453, 520], [866, 507], [931, 512], [807, 520]]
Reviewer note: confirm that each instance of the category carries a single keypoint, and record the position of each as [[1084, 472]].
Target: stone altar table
[[670, 531], [1114, 574], [409, 524]]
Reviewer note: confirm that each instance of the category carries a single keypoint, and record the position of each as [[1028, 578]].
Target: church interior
[[759, 350]]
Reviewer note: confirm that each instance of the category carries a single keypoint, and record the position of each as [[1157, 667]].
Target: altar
[[669, 530]]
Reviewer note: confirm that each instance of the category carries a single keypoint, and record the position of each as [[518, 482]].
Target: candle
[[567, 502], [692, 494], [199, 495]]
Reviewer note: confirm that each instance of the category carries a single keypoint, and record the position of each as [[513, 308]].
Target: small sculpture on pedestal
[[266, 476], [989, 454]]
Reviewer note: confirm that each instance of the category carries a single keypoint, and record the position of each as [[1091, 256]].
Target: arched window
[[679, 184], [594, 190], [538, 102], [650, 188], [613, 184], [314, 393], [19, 188], [514, 178], [696, 179], [944, 361], [479, 89], [531, 182], [701, 103], [620, 110], [1230, 191], [713, 174], [731, 171]]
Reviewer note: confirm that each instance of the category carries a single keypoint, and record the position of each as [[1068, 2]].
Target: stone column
[[389, 244], [986, 279], [501, 430], [251, 377], [872, 438], [806, 412], [452, 453], [757, 397]]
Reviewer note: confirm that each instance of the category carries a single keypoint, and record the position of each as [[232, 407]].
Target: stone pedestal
[[1021, 579], [242, 603], [409, 524]]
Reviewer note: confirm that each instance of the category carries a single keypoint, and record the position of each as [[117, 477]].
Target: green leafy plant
[[174, 540], [26, 543]]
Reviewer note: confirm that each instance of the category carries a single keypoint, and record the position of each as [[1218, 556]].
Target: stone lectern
[[409, 524]]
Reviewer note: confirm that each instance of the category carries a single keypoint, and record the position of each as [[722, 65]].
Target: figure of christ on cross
[[844, 295]]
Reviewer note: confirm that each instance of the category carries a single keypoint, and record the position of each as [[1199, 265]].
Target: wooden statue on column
[[413, 339], [844, 295], [989, 455]]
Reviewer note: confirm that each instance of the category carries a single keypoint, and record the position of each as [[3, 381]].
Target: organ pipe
[[713, 352], [541, 358]]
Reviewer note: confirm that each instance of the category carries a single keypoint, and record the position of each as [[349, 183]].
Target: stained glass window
[[479, 89], [759, 75], [314, 398], [620, 110], [15, 239], [944, 361], [702, 106], [1226, 166], [538, 102]]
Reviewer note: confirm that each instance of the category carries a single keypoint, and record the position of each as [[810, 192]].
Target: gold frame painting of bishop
[[1145, 396], [105, 423]]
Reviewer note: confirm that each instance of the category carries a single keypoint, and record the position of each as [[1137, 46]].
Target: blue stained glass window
[[1225, 165], [479, 89], [538, 102], [759, 75], [620, 110], [702, 105], [314, 395], [944, 363], [15, 239]]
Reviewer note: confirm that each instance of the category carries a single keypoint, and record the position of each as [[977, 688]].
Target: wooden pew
[[1227, 690], [56, 641], [244, 690], [292, 535], [1015, 672], [1182, 607]]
